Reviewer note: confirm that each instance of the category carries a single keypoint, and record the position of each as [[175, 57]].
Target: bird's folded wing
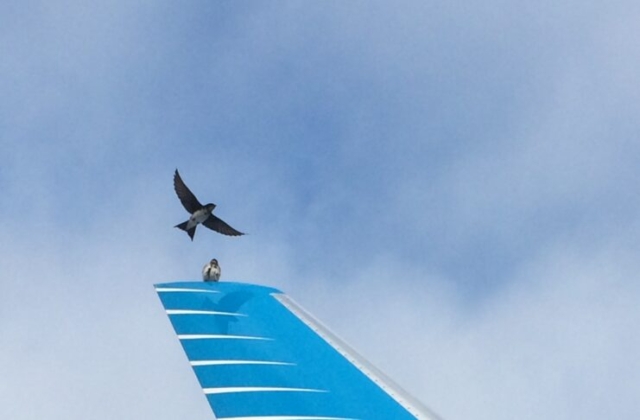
[[218, 225], [188, 200]]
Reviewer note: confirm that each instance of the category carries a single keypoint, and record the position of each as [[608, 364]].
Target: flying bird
[[211, 271], [199, 213]]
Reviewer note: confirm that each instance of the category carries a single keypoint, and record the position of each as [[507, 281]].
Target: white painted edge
[[178, 290], [285, 418], [197, 312], [220, 337], [411, 404], [237, 389], [238, 362]]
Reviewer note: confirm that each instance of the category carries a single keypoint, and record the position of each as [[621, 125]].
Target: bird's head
[[214, 262], [210, 206]]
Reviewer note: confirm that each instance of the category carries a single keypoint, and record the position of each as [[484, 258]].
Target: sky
[[450, 186]]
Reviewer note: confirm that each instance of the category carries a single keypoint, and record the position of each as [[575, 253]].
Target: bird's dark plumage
[[187, 198], [199, 213], [217, 224]]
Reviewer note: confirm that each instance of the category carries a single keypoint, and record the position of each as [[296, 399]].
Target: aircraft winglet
[[258, 355]]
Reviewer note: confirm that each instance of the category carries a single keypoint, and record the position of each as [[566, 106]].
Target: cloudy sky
[[451, 186]]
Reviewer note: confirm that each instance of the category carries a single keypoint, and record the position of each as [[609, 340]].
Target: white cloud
[[558, 343], [451, 188]]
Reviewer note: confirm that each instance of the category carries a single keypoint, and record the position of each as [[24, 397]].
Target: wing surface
[[217, 224], [259, 356], [187, 198]]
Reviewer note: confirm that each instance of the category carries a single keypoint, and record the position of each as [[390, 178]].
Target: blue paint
[[347, 391]]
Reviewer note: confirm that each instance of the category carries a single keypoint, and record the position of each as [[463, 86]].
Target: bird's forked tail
[[190, 232]]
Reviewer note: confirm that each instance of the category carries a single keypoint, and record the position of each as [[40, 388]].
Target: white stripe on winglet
[[284, 418], [235, 389], [237, 362], [194, 312], [177, 290], [219, 337]]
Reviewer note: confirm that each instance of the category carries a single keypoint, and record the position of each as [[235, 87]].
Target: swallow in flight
[[199, 214]]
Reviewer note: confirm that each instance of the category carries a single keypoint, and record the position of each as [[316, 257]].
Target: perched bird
[[211, 271], [199, 213]]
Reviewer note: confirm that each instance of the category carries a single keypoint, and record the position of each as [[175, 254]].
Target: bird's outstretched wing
[[214, 223], [188, 200]]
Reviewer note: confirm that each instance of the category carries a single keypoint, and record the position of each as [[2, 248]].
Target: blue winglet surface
[[259, 356]]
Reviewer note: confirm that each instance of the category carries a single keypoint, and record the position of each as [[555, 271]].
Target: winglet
[[259, 355]]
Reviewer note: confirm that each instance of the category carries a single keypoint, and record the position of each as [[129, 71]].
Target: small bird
[[199, 213], [211, 271]]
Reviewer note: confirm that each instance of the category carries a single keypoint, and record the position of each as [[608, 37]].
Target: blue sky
[[452, 187]]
